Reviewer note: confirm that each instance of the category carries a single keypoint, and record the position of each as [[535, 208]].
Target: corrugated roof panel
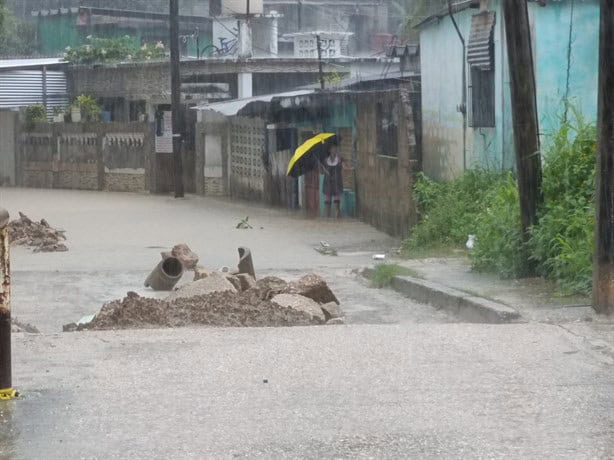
[[480, 47], [21, 88]]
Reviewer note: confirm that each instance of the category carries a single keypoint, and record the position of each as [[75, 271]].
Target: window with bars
[[480, 57]]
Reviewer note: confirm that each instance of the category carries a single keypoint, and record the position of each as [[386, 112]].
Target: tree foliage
[[113, 50], [17, 37], [406, 14]]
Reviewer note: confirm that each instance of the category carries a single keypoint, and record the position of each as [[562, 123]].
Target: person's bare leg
[[337, 209]]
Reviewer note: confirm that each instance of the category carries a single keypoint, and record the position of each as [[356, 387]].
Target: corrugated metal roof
[[480, 47], [22, 88], [29, 63]]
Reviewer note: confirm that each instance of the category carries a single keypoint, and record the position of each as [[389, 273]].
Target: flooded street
[[399, 379]]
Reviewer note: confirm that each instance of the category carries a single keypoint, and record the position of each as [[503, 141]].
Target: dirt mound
[[38, 235], [223, 309]]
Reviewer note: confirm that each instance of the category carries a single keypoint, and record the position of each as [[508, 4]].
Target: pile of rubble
[[218, 298], [222, 300], [20, 326], [38, 235]]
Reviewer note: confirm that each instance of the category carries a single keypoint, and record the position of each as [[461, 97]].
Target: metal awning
[[233, 107], [26, 63], [480, 48]]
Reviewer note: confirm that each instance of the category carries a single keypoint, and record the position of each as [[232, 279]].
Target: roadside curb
[[466, 306]]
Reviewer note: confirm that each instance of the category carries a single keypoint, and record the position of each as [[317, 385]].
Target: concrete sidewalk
[[535, 299]]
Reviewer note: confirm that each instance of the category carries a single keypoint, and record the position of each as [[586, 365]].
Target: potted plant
[[58, 114], [36, 113], [75, 113], [90, 109], [85, 107]]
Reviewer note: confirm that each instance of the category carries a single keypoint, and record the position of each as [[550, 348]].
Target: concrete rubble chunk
[[335, 321], [301, 304], [268, 287], [234, 281], [332, 310], [314, 287], [215, 282], [247, 281], [200, 272], [181, 251]]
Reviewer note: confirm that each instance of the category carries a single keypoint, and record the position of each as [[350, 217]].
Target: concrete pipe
[[246, 264], [166, 275]]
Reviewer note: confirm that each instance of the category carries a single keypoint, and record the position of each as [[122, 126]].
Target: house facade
[[243, 148], [565, 50]]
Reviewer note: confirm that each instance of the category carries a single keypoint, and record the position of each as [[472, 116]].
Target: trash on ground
[[20, 326], [40, 236], [326, 250], [244, 223], [379, 257], [470, 242]]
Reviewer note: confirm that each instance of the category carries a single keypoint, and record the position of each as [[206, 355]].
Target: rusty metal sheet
[[480, 48]]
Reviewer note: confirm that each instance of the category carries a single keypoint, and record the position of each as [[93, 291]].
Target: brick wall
[[124, 182], [384, 182]]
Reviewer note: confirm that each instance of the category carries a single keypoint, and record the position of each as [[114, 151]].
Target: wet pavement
[[362, 391], [115, 240], [401, 380]]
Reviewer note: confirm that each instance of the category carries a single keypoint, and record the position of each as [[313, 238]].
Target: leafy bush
[[562, 243], [90, 109], [499, 245], [486, 204], [35, 114], [449, 210], [113, 50]]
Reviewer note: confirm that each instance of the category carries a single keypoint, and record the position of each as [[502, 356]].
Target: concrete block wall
[[384, 183], [86, 156]]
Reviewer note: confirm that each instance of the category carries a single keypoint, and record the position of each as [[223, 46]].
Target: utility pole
[[176, 97], [6, 390], [524, 113], [320, 71], [603, 261]]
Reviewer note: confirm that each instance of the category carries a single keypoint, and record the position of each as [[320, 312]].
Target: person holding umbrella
[[332, 168], [320, 152]]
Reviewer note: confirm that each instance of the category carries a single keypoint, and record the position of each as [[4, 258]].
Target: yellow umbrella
[[308, 154]]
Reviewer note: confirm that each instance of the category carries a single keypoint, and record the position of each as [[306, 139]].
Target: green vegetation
[[562, 243], [449, 210], [17, 38], [383, 274], [36, 113], [119, 49], [90, 109], [486, 204]]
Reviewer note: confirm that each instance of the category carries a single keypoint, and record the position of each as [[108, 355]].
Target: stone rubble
[[181, 251], [213, 301], [37, 235]]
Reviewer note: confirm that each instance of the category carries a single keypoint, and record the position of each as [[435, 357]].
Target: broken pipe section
[[166, 275]]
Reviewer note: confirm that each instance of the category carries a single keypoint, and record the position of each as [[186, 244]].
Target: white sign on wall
[[164, 143]]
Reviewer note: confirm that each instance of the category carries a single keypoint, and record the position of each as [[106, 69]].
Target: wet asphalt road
[[400, 381]]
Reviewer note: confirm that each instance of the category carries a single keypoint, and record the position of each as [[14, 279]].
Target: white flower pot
[[75, 115]]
